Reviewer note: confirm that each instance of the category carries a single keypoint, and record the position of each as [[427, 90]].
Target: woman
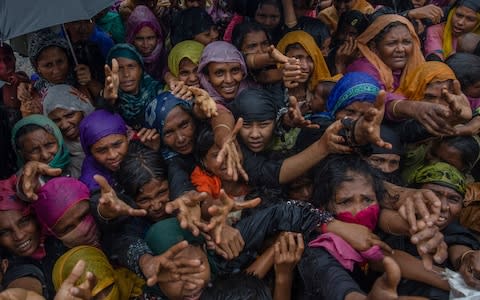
[[441, 40], [222, 71], [111, 283], [144, 32], [330, 15], [66, 108], [183, 62], [135, 87]]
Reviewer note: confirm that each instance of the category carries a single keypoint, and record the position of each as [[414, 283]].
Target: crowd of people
[[244, 149]]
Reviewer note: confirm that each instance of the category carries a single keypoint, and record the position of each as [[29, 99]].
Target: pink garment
[[434, 41], [343, 252], [237, 19], [367, 217], [474, 102]]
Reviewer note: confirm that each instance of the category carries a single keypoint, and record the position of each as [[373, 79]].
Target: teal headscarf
[[132, 107], [61, 158]]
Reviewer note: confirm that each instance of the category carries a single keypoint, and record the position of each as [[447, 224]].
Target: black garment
[[261, 170], [8, 118], [25, 267], [179, 169]]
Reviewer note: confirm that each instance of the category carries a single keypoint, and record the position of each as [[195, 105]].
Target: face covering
[[367, 217], [86, 233]]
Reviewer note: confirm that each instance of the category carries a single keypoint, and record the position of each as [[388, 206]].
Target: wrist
[[103, 215]]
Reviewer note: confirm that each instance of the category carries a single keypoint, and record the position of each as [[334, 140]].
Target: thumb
[[457, 88], [52, 171], [103, 183], [380, 100], [247, 204], [392, 273]]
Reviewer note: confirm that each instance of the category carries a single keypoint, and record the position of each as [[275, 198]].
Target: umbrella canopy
[[18, 17]]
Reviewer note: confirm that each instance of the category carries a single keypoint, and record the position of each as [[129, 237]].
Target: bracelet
[[349, 126], [224, 126], [100, 215], [394, 108], [465, 254], [291, 24], [101, 93]]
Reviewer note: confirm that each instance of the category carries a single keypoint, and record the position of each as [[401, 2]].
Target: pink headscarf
[[55, 197], [142, 16]]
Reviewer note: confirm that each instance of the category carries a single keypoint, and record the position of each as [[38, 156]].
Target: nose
[[18, 234], [192, 77], [228, 77], [461, 21], [304, 65], [156, 204], [45, 155], [112, 154], [255, 133], [180, 137], [445, 206]]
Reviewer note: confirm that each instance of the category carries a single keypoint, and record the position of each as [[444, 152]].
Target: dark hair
[[316, 28], [7, 48], [188, 23], [239, 286], [26, 130], [293, 46], [205, 140], [381, 35], [353, 18], [276, 3], [242, 29], [467, 145], [332, 171], [141, 164], [466, 67]]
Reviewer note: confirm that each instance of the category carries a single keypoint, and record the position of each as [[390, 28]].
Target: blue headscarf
[[353, 87], [157, 111]]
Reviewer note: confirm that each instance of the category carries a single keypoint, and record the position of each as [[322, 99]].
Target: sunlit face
[[255, 42], [449, 155], [129, 74], [464, 20], [7, 63], [268, 15], [433, 91], [145, 41], [179, 131], [110, 151], [187, 72], [52, 65], [344, 5], [152, 197], [354, 194], [225, 78], [395, 48], [68, 121], [387, 163], [207, 37], [452, 203], [19, 234], [354, 110], [306, 62], [257, 135], [213, 166], [38, 145]]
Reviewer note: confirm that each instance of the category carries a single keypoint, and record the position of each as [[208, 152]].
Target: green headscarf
[[61, 158], [442, 174], [186, 49]]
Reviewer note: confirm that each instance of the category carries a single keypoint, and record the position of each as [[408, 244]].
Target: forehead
[[123, 61], [354, 184], [255, 36], [175, 116], [9, 216], [146, 31], [107, 140], [399, 31], [36, 136], [435, 88], [441, 189], [466, 11], [187, 63], [297, 50], [215, 66], [269, 9], [50, 53]]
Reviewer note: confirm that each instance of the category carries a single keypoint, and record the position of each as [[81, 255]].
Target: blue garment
[[102, 40]]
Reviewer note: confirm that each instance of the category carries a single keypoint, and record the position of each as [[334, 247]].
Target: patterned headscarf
[[61, 158], [442, 174], [63, 96], [186, 49]]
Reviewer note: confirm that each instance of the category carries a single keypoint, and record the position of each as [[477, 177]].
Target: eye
[[236, 70], [219, 73]]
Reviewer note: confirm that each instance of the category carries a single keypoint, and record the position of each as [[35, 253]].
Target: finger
[[442, 253], [384, 246], [247, 204], [137, 212], [380, 100], [237, 127], [103, 183], [423, 235], [411, 216], [283, 244], [76, 273], [115, 66], [300, 245], [175, 249], [47, 170], [141, 132], [392, 273]]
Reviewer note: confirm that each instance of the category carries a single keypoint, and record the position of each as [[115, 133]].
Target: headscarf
[[10, 202], [413, 88], [447, 40], [186, 49], [157, 112], [61, 158], [320, 69], [390, 136], [254, 104], [220, 52], [442, 174], [415, 59], [353, 87], [330, 16], [94, 127], [141, 17], [63, 96], [125, 284], [132, 106]]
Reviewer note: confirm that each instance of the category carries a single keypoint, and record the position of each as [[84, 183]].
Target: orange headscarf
[[416, 58], [431, 71], [204, 182], [320, 70], [330, 16]]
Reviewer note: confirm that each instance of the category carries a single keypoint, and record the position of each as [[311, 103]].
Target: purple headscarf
[[94, 127], [142, 16], [220, 52]]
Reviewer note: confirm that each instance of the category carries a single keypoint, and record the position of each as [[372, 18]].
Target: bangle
[[394, 108], [291, 24], [465, 254], [101, 93], [222, 125], [100, 215]]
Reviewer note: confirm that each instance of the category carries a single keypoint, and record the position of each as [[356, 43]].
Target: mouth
[[115, 164], [256, 145], [24, 246], [229, 89], [183, 148], [127, 84], [457, 30]]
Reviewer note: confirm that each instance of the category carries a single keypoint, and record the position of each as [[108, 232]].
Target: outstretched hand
[[70, 291], [112, 82], [230, 152], [294, 116], [187, 207], [204, 102], [150, 138], [385, 287], [30, 177], [458, 103]]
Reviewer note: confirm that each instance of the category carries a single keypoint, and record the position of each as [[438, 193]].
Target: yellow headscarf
[[330, 17], [186, 49], [125, 284], [320, 69], [447, 41], [416, 58], [431, 71]]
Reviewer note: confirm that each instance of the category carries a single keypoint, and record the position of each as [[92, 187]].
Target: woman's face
[[152, 197], [225, 78], [110, 151], [52, 65], [218, 169], [395, 48], [129, 74], [38, 145], [268, 15], [19, 234], [187, 72], [306, 62], [386, 162], [255, 42], [207, 37], [68, 122], [77, 227], [451, 203], [145, 41], [7, 63], [181, 290], [257, 135], [354, 195], [179, 131], [354, 110], [433, 91], [464, 20]]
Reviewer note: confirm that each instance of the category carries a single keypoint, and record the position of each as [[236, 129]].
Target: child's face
[[355, 194]]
